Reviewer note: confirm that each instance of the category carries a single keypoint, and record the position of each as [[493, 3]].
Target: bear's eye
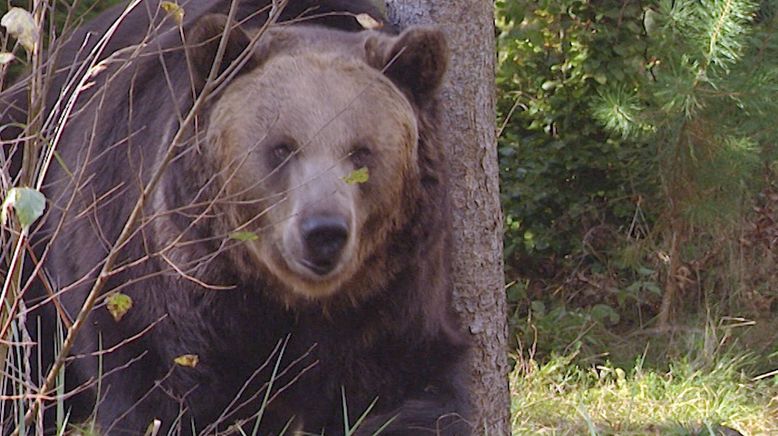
[[280, 153], [360, 156]]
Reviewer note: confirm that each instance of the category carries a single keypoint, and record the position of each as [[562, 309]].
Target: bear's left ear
[[203, 45], [415, 61]]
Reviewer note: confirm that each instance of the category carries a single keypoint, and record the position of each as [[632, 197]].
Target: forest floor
[[691, 381]]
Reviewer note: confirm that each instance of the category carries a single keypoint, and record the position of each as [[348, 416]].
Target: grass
[[711, 396]]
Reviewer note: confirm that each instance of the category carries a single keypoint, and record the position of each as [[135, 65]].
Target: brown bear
[[290, 270]]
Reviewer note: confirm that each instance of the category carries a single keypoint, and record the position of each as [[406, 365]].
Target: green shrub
[[636, 139]]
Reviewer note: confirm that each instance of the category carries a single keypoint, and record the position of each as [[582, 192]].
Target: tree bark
[[469, 134]]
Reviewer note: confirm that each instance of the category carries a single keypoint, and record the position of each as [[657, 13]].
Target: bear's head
[[316, 135]]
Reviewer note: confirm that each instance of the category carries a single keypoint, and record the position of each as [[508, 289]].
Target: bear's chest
[[299, 367]]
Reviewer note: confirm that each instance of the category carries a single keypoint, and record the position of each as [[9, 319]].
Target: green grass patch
[[562, 397]]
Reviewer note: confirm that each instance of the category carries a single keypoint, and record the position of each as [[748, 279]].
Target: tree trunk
[[469, 134]]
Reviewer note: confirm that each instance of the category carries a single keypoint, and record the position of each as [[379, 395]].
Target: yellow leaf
[[118, 305], [368, 22], [6, 58], [21, 25], [174, 10], [188, 360], [359, 176]]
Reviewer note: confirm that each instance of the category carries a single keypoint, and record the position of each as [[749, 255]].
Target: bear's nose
[[324, 236]]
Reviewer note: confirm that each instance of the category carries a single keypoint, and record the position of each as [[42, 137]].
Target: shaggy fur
[[269, 149]]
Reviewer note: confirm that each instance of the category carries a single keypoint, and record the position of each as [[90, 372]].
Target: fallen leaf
[[118, 304], [244, 236], [368, 22], [174, 10], [188, 360], [28, 204], [6, 58], [359, 176], [21, 25]]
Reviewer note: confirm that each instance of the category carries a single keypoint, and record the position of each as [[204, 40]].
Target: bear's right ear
[[203, 42]]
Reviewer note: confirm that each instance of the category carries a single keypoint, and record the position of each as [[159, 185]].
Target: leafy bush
[[562, 172], [635, 139]]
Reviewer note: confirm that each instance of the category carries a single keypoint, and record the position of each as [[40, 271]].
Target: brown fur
[[287, 96], [378, 326]]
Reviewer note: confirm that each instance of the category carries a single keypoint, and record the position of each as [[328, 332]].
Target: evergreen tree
[[705, 103]]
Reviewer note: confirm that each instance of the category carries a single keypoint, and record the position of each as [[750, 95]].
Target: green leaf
[[653, 287], [188, 360], [244, 236], [604, 313], [358, 176], [643, 271], [28, 204], [538, 308], [650, 21], [118, 305], [21, 25]]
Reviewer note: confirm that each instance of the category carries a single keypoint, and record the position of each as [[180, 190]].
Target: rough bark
[[469, 134]]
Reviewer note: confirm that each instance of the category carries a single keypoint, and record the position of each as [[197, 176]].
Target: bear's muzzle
[[324, 237]]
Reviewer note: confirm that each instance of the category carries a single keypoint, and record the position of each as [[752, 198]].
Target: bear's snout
[[324, 237]]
